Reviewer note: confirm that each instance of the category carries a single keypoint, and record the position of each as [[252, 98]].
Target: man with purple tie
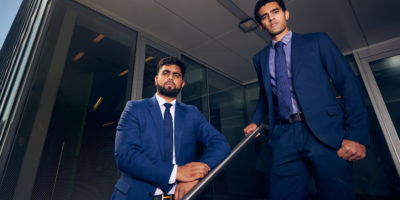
[[312, 134], [156, 141]]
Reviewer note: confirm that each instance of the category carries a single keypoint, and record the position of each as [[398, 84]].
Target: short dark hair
[[261, 3], [172, 61]]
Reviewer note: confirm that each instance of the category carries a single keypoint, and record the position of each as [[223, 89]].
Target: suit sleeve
[[261, 107], [348, 86], [129, 153], [216, 146]]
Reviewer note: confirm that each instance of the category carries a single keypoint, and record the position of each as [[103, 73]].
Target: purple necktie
[[284, 100]]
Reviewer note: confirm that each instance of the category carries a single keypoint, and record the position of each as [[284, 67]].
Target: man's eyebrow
[[177, 73], [274, 9]]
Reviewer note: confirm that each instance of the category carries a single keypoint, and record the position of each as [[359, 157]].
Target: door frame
[[363, 57]]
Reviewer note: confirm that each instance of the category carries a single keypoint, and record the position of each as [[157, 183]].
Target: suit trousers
[[297, 155]]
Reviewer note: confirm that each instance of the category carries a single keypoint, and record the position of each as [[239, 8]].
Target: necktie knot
[[278, 45], [167, 106]]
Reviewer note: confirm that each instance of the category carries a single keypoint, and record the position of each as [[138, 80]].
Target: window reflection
[[65, 140], [152, 57], [195, 91]]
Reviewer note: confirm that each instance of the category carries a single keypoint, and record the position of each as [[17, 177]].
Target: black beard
[[168, 91]]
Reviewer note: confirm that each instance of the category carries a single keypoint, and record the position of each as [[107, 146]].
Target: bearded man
[[156, 139]]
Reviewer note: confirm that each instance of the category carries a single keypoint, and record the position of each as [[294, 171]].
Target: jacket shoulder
[[262, 51], [187, 107], [141, 103]]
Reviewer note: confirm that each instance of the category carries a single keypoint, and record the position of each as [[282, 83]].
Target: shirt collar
[[286, 39], [161, 101]]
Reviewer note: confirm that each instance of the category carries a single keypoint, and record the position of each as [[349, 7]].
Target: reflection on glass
[[153, 55], [244, 178], [195, 91], [8, 11], [251, 94], [79, 146], [76, 103], [375, 177], [387, 75]]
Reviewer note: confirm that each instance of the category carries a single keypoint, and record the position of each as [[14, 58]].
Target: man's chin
[[173, 93]]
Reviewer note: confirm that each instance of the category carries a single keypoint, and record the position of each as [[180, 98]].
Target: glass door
[[379, 67], [386, 72]]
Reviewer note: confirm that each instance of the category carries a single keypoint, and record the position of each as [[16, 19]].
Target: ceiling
[[208, 29]]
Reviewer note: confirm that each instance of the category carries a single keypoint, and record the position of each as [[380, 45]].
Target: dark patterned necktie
[[282, 83], [168, 133]]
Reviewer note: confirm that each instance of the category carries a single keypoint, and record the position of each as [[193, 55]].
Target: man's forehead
[[269, 7], [172, 68]]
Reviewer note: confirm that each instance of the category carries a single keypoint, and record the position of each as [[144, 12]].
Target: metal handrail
[[197, 189]]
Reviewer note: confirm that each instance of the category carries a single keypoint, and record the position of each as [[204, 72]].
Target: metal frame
[[363, 56], [23, 58]]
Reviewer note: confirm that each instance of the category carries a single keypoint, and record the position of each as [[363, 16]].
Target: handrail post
[[199, 187]]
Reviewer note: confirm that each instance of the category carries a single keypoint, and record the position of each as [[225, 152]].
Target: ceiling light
[[98, 38], [107, 124], [148, 58], [248, 25], [78, 56], [97, 103], [123, 73]]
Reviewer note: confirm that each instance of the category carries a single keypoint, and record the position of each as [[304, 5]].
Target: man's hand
[[182, 188], [250, 128], [192, 171], [351, 150]]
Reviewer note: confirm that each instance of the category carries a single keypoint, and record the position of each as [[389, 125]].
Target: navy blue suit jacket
[[139, 146], [315, 60]]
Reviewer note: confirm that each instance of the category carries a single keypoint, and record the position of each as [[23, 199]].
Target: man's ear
[[183, 83], [287, 15], [261, 26], [155, 80]]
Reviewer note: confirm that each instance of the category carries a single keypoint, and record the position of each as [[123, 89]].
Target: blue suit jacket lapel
[[158, 122], [296, 57], [264, 62], [180, 115]]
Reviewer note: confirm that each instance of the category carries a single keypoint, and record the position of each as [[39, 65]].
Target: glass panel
[[251, 93], [195, 91], [66, 135], [8, 11], [387, 76], [152, 57], [241, 180], [375, 176]]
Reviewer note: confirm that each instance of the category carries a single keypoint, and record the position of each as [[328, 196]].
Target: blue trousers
[[296, 156]]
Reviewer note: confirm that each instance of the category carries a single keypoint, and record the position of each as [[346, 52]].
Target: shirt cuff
[[172, 178]]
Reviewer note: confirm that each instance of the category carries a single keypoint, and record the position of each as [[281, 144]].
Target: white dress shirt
[[172, 178]]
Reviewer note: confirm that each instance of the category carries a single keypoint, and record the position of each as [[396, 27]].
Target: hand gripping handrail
[[199, 187]]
